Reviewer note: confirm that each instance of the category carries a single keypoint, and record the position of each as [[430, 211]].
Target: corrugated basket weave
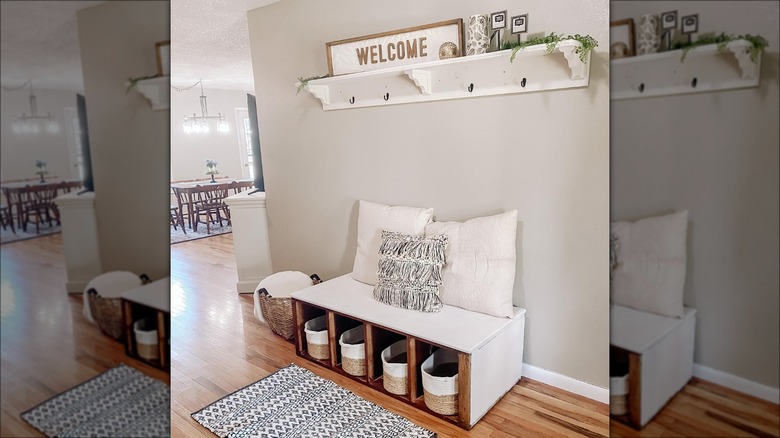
[[278, 312], [107, 313]]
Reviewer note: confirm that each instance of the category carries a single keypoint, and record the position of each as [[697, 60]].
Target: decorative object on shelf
[[32, 123], [587, 44], [389, 49], [668, 26], [477, 34], [621, 38], [302, 82], [163, 51], [519, 25], [40, 169], [497, 24], [690, 24], [448, 50], [757, 44], [195, 124], [211, 169], [647, 35], [133, 82]]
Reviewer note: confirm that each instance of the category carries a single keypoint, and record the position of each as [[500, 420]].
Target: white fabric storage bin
[[618, 395], [353, 351], [146, 338], [394, 374], [317, 337], [441, 391]]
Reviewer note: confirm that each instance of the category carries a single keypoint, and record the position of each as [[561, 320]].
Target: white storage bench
[[490, 349], [659, 353]]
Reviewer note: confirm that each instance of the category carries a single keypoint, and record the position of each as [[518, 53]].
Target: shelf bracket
[[746, 65], [421, 78], [579, 69], [157, 91], [321, 92]]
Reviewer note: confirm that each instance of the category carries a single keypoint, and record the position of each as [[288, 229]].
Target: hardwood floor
[[704, 409], [219, 347], [46, 344]]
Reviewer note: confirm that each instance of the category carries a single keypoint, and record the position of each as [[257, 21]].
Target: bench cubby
[[489, 349]]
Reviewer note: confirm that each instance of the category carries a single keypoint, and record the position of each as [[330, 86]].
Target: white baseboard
[[566, 383], [737, 383]]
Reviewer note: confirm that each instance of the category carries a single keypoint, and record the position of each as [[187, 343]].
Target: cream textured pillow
[[372, 219], [410, 271], [481, 256], [651, 257]]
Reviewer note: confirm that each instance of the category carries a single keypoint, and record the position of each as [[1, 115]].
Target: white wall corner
[[566, 383], [737, 383]]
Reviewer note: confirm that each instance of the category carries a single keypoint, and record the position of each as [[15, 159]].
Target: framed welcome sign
[[390, 49]]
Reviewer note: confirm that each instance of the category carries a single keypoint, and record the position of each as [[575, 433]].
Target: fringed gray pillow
[[410, 271]]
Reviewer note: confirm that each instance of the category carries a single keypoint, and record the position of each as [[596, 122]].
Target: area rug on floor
[[179, 236], [6, 236], [121, 402], [294, 402]]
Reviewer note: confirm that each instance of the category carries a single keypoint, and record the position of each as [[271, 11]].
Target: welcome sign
[[390, 49]]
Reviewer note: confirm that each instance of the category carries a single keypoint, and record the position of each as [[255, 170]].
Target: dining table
[[185, 191], [12, 192]]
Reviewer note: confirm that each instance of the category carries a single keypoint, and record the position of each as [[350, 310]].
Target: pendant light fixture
[[33, 123], [199, 124]]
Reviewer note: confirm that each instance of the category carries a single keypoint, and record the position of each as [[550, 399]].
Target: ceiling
[[39, 41], [209, 41]]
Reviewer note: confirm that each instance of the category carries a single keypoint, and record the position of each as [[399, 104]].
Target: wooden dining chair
[[38, 207], [176, 220], [7, 218], [211, 201]]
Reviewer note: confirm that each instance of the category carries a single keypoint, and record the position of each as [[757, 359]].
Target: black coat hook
[[694, 82], [352, 99], [641, 87], [522, 83], [387, 96], [471, 87]]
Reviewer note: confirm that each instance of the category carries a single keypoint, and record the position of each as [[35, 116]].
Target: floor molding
[[566, 383], [737, 383]]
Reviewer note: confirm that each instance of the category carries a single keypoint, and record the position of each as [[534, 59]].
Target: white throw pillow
[[280, 285], [372, 219], [480, 260], [651, 257]]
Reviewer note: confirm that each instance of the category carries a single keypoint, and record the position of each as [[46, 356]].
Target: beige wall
[[189, 151], [544, 154], [715, 154], [129, 141], [19, 151]]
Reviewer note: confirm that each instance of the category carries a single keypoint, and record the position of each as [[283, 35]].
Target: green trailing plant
[[303, 81], [133, 82], [588, 43], [757, 44]]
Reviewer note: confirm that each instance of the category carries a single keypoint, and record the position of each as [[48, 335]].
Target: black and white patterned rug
[[294, 402], [8, 236], [121, 402], [178, 235]]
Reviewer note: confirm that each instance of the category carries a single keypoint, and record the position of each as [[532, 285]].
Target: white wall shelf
[[157, 91], [703, 70], [468, 76]]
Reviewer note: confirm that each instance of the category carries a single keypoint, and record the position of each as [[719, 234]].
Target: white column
[[80, 239], [250, 239]]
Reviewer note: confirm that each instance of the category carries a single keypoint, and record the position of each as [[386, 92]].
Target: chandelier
[[199, 124], [32, 123]]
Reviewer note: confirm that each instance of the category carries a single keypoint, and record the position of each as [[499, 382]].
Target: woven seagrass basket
[[353, 351], [440, 382], [277, 311], [394, 368], [317, 338], [107, 313]]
